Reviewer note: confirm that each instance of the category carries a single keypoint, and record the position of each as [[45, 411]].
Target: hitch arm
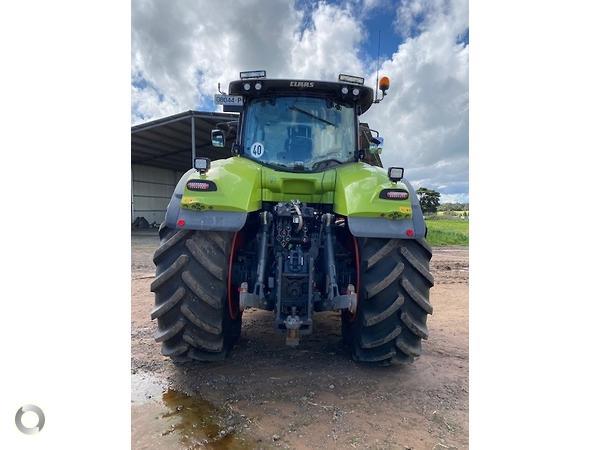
[[336, 301], [332, 287], [265, 222], [256, 298]]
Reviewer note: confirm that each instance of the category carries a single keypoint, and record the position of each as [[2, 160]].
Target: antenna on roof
[[378, 48], [377, 99]]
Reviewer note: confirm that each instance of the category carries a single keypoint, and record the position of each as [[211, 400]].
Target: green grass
[[447, 232]]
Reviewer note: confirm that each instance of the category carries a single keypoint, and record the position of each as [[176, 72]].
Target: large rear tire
[[393, 304], [191, 304]]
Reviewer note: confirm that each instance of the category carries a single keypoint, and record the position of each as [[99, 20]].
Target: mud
[[268, 395]]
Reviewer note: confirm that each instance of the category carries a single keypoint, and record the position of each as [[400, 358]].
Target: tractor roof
[[329, 89]]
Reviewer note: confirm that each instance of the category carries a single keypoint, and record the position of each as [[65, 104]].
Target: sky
[[181, 49]]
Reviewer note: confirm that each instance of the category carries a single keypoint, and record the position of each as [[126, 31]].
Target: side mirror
[[202, 164], [376, 145], [218, 138]]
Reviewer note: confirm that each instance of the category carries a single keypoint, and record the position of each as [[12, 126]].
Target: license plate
[[235, 100]]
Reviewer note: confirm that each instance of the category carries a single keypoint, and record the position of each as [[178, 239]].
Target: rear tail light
[[394, 194], [201, 185]]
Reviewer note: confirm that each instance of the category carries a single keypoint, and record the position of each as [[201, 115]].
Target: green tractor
[[300, 219]]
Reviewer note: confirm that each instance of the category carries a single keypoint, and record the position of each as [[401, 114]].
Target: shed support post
[[193, 140]]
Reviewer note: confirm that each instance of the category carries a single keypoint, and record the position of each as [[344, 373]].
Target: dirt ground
[[268, 395]]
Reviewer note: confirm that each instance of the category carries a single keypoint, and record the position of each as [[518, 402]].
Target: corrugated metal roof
[[167, 142]]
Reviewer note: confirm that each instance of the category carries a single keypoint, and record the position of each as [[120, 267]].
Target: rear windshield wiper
[[326, 163], [295, 108], [287, 167]]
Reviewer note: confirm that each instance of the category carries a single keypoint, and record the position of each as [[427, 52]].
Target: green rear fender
[[234, 192], [237, 181], [357, 196]]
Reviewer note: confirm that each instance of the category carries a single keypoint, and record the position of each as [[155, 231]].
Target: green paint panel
[[357, 193], [238, 187]]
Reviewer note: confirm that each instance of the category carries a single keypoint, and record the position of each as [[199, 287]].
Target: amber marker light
[[384, 84]]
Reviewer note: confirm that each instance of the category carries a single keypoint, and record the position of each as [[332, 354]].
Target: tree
[[454, 207], [429, 200]]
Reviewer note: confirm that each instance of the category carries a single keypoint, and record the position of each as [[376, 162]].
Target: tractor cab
[[296, 125]]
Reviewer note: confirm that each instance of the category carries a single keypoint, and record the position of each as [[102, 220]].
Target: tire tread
[[190, 295], [393, 301]]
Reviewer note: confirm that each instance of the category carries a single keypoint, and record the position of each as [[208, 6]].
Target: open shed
[[162, 150]]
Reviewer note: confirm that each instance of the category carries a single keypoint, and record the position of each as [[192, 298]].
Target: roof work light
[[351, 79], [253, 74], [395, 174]]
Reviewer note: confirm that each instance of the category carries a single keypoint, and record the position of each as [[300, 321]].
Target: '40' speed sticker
[[257, 149]]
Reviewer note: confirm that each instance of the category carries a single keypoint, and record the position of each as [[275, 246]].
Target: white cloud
[[328, 47], [425, 115], [182, 49]]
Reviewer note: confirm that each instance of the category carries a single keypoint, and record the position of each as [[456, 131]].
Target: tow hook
[[292, 324]]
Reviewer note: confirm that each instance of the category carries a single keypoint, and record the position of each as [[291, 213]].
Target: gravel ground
[[268, 395]]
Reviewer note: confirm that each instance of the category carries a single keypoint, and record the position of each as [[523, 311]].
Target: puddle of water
[[174, 419]]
